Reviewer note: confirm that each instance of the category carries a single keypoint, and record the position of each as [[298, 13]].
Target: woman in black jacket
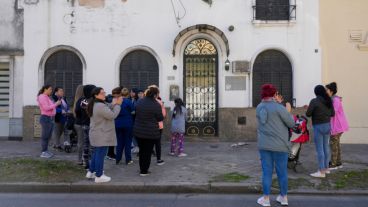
[[146, 128], [321, 110]]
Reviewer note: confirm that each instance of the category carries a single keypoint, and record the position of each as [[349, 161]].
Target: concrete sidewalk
[[200, 172]]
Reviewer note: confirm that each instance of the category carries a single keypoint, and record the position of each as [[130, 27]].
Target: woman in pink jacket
[[339, 125], [48, 111]]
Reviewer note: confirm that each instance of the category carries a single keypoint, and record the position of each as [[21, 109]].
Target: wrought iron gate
[[200, 85]]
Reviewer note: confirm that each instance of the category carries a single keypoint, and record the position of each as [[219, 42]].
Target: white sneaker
[[328, 172], [263, 202], [172, 154], [282, 200], [45, 155], [182, 155], [318, 174], [339, 167], [102, 179], [90, 175]]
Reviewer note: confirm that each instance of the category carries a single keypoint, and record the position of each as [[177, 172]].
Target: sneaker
[[45, 155], [160, 162], [263, 202], [110, 158], [332, 167], [130, 162], [339, 166], [182, 155], [102, 179], [50, 153], [135, 150], [318, 174], [282, 200], [145, 174], [172, 154], [90, 175], [328, 171]]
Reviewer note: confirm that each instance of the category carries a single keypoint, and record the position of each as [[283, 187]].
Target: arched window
[[64, 69], [139, 69], [272, 66]]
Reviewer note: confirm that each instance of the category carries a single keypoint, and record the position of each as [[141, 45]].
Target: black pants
[[158, 147], [111, 152], [145, 151]]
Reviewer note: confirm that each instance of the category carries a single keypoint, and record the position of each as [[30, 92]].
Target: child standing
[[178, 128]]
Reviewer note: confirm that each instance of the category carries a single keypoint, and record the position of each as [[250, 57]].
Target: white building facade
[[217, 55]]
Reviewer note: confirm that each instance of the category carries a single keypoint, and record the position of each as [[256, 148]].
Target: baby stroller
[[299, 135], [73, 140]]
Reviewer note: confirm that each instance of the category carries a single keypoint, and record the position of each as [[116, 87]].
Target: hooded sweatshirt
[[82, 117]]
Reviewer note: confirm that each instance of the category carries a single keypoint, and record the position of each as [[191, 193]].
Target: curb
[[141, 187]]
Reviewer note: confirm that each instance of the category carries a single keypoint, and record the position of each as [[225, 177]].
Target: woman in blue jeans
[[102, 131], [321, 110], [273, 142]]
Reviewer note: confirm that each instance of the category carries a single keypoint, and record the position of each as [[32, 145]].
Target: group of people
[[106, 126], [275, 122]]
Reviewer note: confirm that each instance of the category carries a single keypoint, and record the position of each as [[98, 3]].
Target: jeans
[[145, 152], [80, 136], [47, 125], [321, 140], [60, 129], [97, 160], [269, 160], [124, 139]]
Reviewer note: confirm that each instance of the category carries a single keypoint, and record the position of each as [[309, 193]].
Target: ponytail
[[92, 100], [42, 90]]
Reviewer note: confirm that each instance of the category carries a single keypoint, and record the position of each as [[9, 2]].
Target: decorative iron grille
[[273, 10], [200, 84]]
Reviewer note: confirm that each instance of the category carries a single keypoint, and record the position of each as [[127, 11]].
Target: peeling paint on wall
[[92, 3], [11, 28], [112, 18]]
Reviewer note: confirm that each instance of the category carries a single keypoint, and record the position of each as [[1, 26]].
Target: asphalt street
[[170, 200]]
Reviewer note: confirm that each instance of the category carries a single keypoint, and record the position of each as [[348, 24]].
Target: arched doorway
[[200, 87], [139, 69], [64, 69], [272, 66]]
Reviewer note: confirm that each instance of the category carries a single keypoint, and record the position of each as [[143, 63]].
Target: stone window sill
[[272, 23]]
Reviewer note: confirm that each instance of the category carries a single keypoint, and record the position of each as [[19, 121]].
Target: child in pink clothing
[[339, 125]]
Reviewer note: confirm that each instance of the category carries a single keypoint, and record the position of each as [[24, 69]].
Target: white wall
[[103, 34]]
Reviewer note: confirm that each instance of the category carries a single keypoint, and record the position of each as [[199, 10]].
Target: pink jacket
[[339, 123], [161, 123], [47, 106]]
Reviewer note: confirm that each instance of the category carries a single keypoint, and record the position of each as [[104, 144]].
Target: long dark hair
[[45, 87], [92, 100], [178, 107], [319, 90]]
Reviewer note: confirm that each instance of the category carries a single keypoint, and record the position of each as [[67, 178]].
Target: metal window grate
[[4, 89], [274, 10]]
